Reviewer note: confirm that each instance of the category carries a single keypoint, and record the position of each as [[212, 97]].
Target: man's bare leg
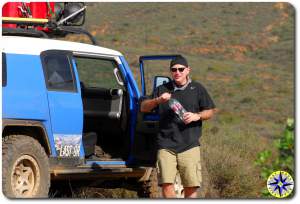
[[168, 190], [190, 192]]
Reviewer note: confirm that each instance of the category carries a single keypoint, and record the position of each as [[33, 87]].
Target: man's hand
[[189, 117], [148, 104], [164, 98]]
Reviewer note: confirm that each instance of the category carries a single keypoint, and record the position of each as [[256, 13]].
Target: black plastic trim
[[27, 123], [4, 70]]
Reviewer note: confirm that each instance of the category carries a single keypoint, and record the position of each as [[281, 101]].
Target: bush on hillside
[[285, 159]]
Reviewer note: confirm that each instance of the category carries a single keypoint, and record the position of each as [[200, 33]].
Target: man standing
[[178, 140]]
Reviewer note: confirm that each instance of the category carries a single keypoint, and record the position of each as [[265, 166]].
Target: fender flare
[[29, 123]]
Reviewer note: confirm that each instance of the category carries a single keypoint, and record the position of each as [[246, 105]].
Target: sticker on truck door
[[67, 145]]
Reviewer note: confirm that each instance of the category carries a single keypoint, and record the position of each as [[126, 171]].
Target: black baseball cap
[[179, 60]]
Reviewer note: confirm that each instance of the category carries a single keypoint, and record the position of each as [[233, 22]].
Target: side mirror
[[159, 80]]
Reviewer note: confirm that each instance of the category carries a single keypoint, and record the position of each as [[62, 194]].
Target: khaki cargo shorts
[[187, 163]]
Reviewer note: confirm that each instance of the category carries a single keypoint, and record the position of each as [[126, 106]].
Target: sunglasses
[[180, 69]]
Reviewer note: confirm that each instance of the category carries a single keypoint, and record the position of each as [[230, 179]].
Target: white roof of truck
[[34, 46]]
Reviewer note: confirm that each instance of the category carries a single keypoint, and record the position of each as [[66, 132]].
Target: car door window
[[97, 72], [153, 68]]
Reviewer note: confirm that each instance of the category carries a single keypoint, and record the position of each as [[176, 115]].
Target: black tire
[[25, 168], [151, 189]]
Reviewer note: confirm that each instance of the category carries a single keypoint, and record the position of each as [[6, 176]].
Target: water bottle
[[176, 106]]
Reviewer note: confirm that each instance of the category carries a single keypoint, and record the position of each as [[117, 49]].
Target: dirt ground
[[116, 189]]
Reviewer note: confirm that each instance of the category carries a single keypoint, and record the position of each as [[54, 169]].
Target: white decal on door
[[67, 145]]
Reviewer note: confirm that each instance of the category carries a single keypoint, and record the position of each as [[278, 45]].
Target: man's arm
[[206, 114], [203, 115], [149, 104]]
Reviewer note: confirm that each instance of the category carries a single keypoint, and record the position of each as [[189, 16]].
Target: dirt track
[[117, 189]]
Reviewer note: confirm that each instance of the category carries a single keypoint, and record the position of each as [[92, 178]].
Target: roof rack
[[24, 32], [54, 29], [24, 21], [43, 27], [65, 30]]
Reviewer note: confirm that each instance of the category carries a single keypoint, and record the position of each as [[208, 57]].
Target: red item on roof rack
[[42, 10], [11, 10]]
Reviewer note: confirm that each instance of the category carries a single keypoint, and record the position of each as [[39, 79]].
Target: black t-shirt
[[174, 134]]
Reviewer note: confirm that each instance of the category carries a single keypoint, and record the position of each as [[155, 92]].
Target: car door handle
[[116, 92]]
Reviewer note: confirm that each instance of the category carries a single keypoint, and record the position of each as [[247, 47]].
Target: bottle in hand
[[176, 106]]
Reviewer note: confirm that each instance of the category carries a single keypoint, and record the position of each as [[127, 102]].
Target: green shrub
[[285, 159]]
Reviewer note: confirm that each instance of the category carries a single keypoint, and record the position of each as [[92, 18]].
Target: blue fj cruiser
[[72, 110]]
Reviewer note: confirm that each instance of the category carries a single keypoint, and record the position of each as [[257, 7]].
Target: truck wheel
[[25, 168], [151, 188]]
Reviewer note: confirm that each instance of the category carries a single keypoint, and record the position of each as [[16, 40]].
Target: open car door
[[147, 127]]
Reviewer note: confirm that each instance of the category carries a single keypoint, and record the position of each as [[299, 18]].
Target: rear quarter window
[[59, 73]]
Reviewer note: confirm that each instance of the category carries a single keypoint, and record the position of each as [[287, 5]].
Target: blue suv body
[[72, 110]]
